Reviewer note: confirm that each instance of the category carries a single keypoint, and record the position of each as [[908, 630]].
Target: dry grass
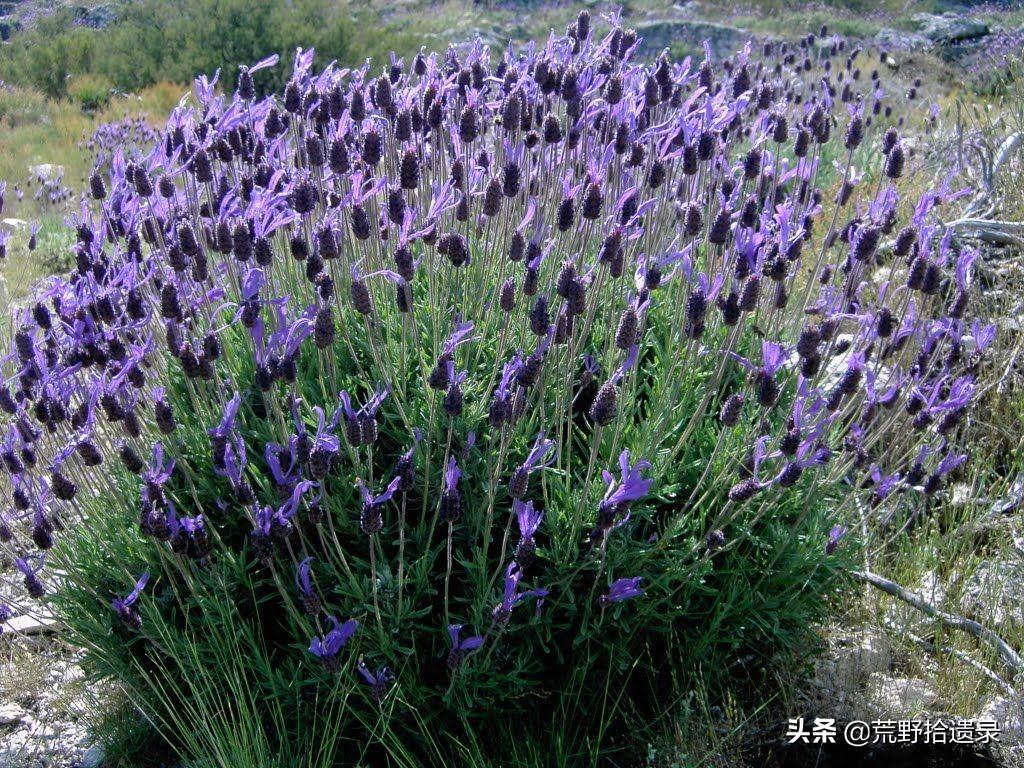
[[36, 131]]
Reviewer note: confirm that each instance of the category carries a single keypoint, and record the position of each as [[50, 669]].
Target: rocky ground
[[44, 703]]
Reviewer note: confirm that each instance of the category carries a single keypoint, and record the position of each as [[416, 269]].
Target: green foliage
[[91, 93], [223, 627], [158, 40]]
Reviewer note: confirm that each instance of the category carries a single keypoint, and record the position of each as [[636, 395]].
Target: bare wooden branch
[[1009, 656], [929, 645], [1006, 149]]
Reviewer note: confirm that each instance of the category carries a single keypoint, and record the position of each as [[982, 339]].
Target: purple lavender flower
[[311, 603], [125, 607], [835, 535], [511, 596], [371, 519], [529, 520], [451, 498], [460, 648], [622, 589], [632, 486], [379, 681], [30, 572], [327, 648], [541, 455]]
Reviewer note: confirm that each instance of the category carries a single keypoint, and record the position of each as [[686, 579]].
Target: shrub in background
[[474, 403], [89, 92], [174, 40]]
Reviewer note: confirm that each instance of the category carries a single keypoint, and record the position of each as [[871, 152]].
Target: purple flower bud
[[731, 410], [744, 490], [895, 161], [605, 404], [507, 296], [373, 149]]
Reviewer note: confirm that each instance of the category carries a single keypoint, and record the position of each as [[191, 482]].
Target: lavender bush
[[415, 409]]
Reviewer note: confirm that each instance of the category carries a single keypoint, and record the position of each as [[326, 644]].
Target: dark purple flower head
[[379, 681], [30, 572]]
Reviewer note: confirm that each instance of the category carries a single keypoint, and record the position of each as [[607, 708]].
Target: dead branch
[[1009, 656], [930, 645]]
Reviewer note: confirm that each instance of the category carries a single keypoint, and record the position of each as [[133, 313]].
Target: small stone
[[900, 696], [869, 654], [11, 714], [961, 494], [39, 624], [995, 593], [92, 758]]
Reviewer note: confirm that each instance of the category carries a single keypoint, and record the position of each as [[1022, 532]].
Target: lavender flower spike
[[632, 486], [541, 455], [460, 648], [326, 649], [622, 589], [511, 596], [370, 519], [304, 581], [379, 681], [834, 537], [451, 499], [529, 520], [125, 607]]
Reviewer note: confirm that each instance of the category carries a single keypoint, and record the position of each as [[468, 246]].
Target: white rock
[[962, 494], [870, 654], [11, 714], [93, 757], [48, 171], [950, 27], [900, 696], [1009, 715], [995, 593], [38, 624]]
